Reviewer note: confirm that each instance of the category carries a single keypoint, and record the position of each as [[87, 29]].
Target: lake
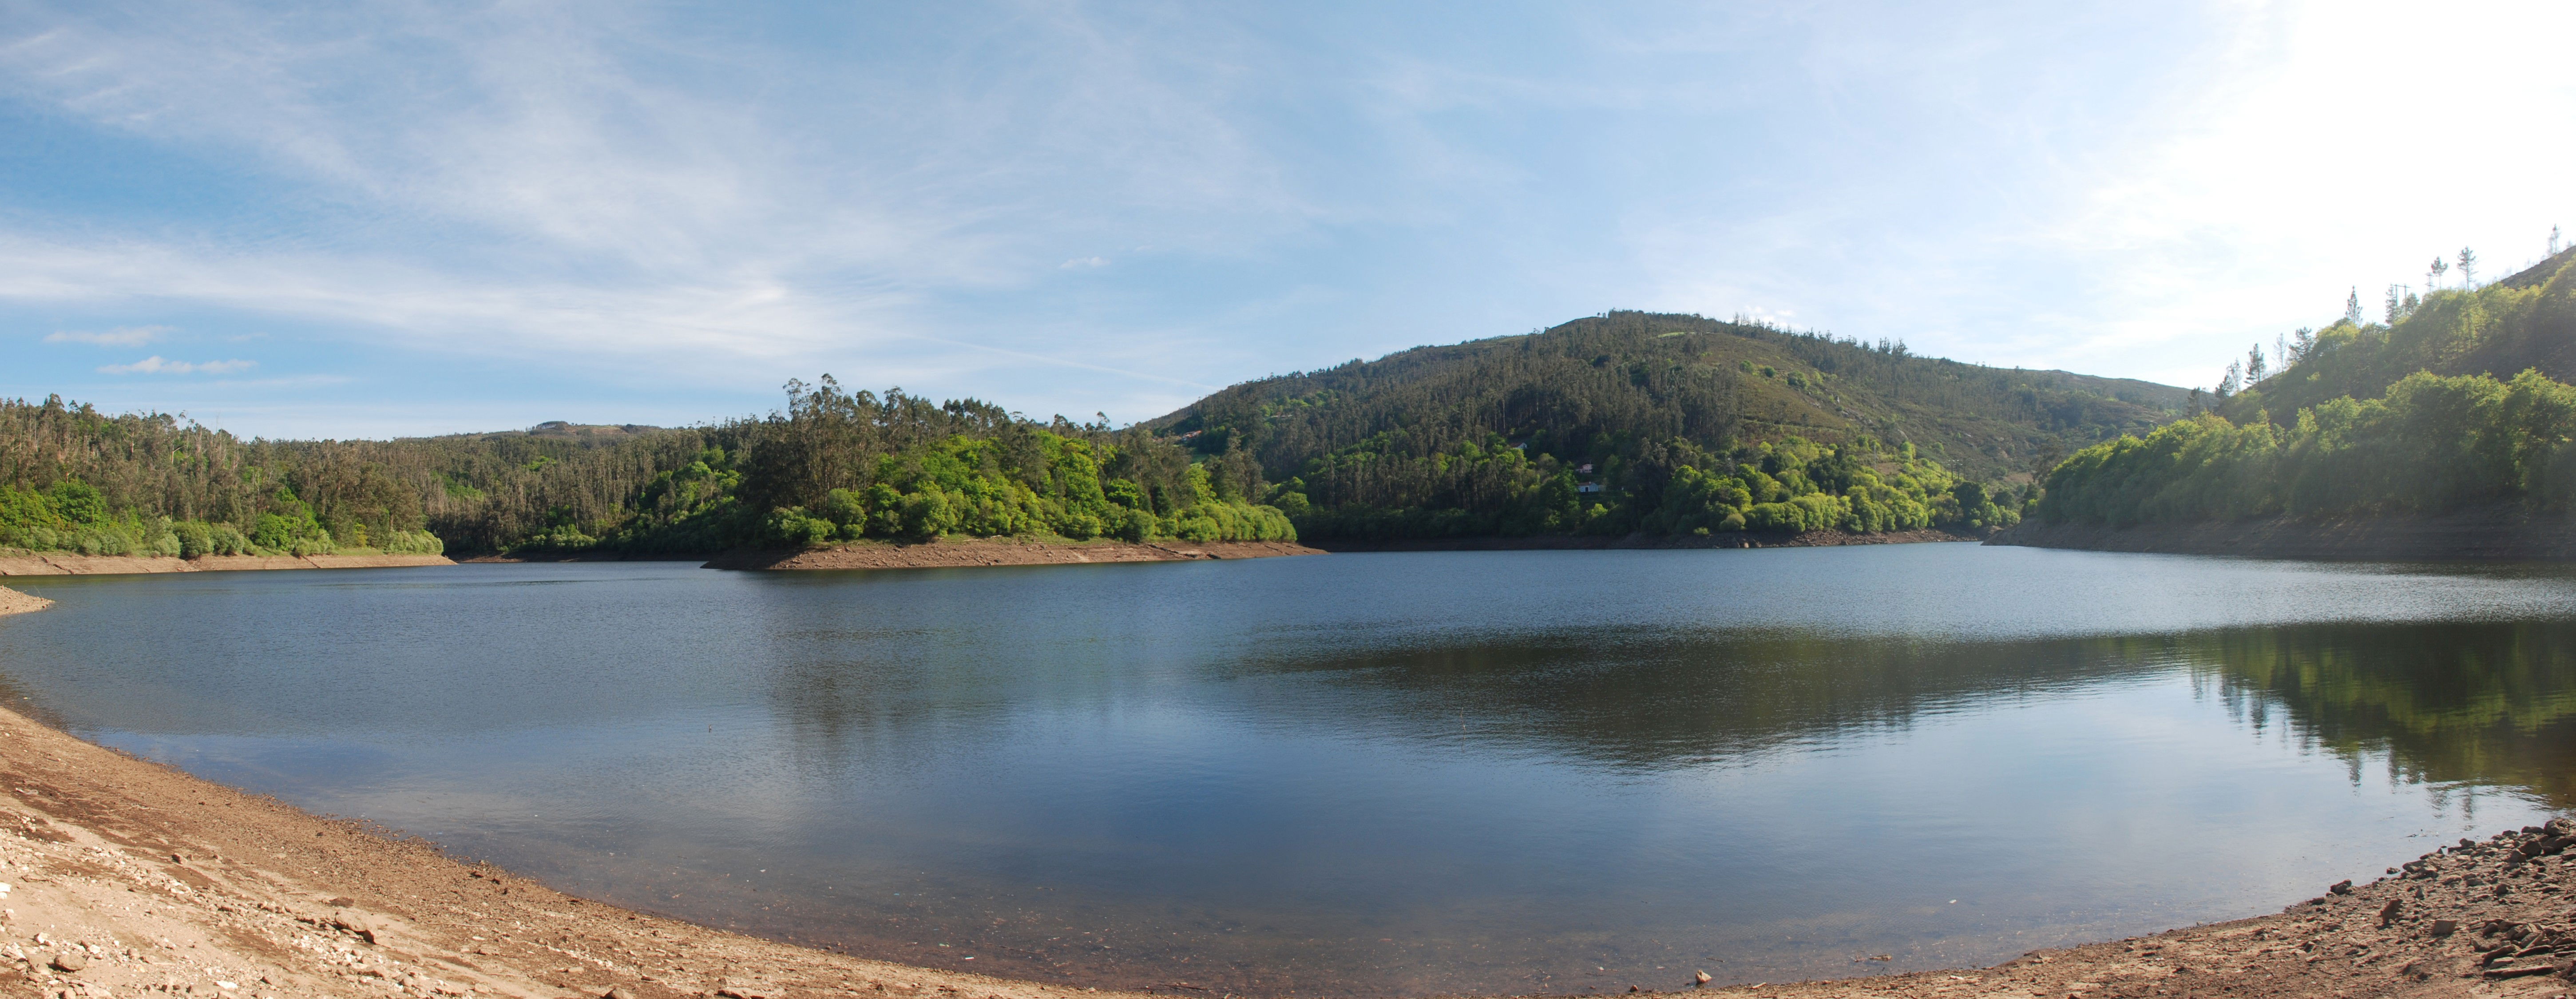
[[1493, 772]]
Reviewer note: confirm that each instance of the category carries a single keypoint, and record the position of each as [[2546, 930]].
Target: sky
[[383, 219]]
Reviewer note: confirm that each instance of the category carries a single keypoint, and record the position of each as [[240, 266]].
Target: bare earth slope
[[126, 877], [59, 564]]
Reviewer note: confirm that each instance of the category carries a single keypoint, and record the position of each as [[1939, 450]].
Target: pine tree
[[2553, 241], [2254, 364], [2433, 277], [2352, 306], [2396, 302], [2468, 267]]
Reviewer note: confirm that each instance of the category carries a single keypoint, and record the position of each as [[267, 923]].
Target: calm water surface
[[1410, 773]]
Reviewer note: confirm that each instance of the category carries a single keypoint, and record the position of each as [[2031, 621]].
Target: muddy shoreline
[[60, 564]]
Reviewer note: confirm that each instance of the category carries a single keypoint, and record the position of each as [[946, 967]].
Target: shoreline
[[14, 602], [1603, 542], [2495, 532], [185, 885], [997, 552], [65, 564]]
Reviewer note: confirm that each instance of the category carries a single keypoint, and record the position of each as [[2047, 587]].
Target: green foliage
[[2522, 322], [1484, 438], [2431, 445], [1673, 488]]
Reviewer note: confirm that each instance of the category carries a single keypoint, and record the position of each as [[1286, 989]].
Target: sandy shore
[[1000, 551], [14, 602], [58, 564], [125, 877]]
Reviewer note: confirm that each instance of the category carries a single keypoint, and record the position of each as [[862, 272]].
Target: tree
[[2396, 303], [2468, 267], [2254, 365], [2235, 379], [2433, 277], [2352, 306], [2553, 241]]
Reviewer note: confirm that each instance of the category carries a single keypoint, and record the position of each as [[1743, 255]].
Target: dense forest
[[832, 466], [1663, 424], [2405, 416], [1623, 423]]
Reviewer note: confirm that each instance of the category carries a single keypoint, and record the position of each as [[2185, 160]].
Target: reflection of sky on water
[[1470, 771]]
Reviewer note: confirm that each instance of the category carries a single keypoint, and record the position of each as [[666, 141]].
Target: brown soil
[[54, 564], [1000, 551], [1556, 542], [2500, 532], [14, 602]]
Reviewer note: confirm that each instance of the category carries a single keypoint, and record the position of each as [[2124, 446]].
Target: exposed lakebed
[[1410, 773]]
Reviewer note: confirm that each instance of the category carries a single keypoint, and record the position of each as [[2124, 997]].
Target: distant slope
[[1640, 395]]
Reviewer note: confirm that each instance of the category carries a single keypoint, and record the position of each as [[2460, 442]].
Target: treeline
[[2337, 433], [833, 466], [1594, 425], [2432, 445], [1495, 489]]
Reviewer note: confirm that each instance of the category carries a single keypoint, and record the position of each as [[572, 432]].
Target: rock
[[1700, 978], [342, 902], [69, 961], [620, 992], [357, 924], [2388, 913], [2341, 888], [2520, 970], [2445, 927]]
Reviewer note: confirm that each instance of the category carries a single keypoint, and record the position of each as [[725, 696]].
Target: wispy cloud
[[158, 365], [122, 336]]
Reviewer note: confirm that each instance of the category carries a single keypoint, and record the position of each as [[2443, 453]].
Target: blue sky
[[399, 218]]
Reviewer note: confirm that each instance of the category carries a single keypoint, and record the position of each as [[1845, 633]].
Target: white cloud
[[157, 365], [122, 336], [1084, 263]]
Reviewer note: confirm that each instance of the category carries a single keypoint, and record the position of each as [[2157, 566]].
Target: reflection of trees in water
[[2477, 703]]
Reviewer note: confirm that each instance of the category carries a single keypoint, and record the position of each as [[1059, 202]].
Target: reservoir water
[[1494, 772]]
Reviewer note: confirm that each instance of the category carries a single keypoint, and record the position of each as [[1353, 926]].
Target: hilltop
[[1615, 409]]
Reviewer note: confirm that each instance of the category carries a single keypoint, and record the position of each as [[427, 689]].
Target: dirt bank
[[1557, 542], [1000, 551], [56, 564], [126, 877], [2496, 533], [14, 602]]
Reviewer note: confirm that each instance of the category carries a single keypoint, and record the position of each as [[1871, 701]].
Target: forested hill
[[1461, 439], [833, 466], [2459, 398], [2524, 322]]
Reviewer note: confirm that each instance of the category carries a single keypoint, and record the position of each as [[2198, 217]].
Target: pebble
[[69, 961]]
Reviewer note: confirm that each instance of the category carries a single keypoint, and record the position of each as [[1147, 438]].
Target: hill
[[2457, 402], [1610, 410], [2525, 322]]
